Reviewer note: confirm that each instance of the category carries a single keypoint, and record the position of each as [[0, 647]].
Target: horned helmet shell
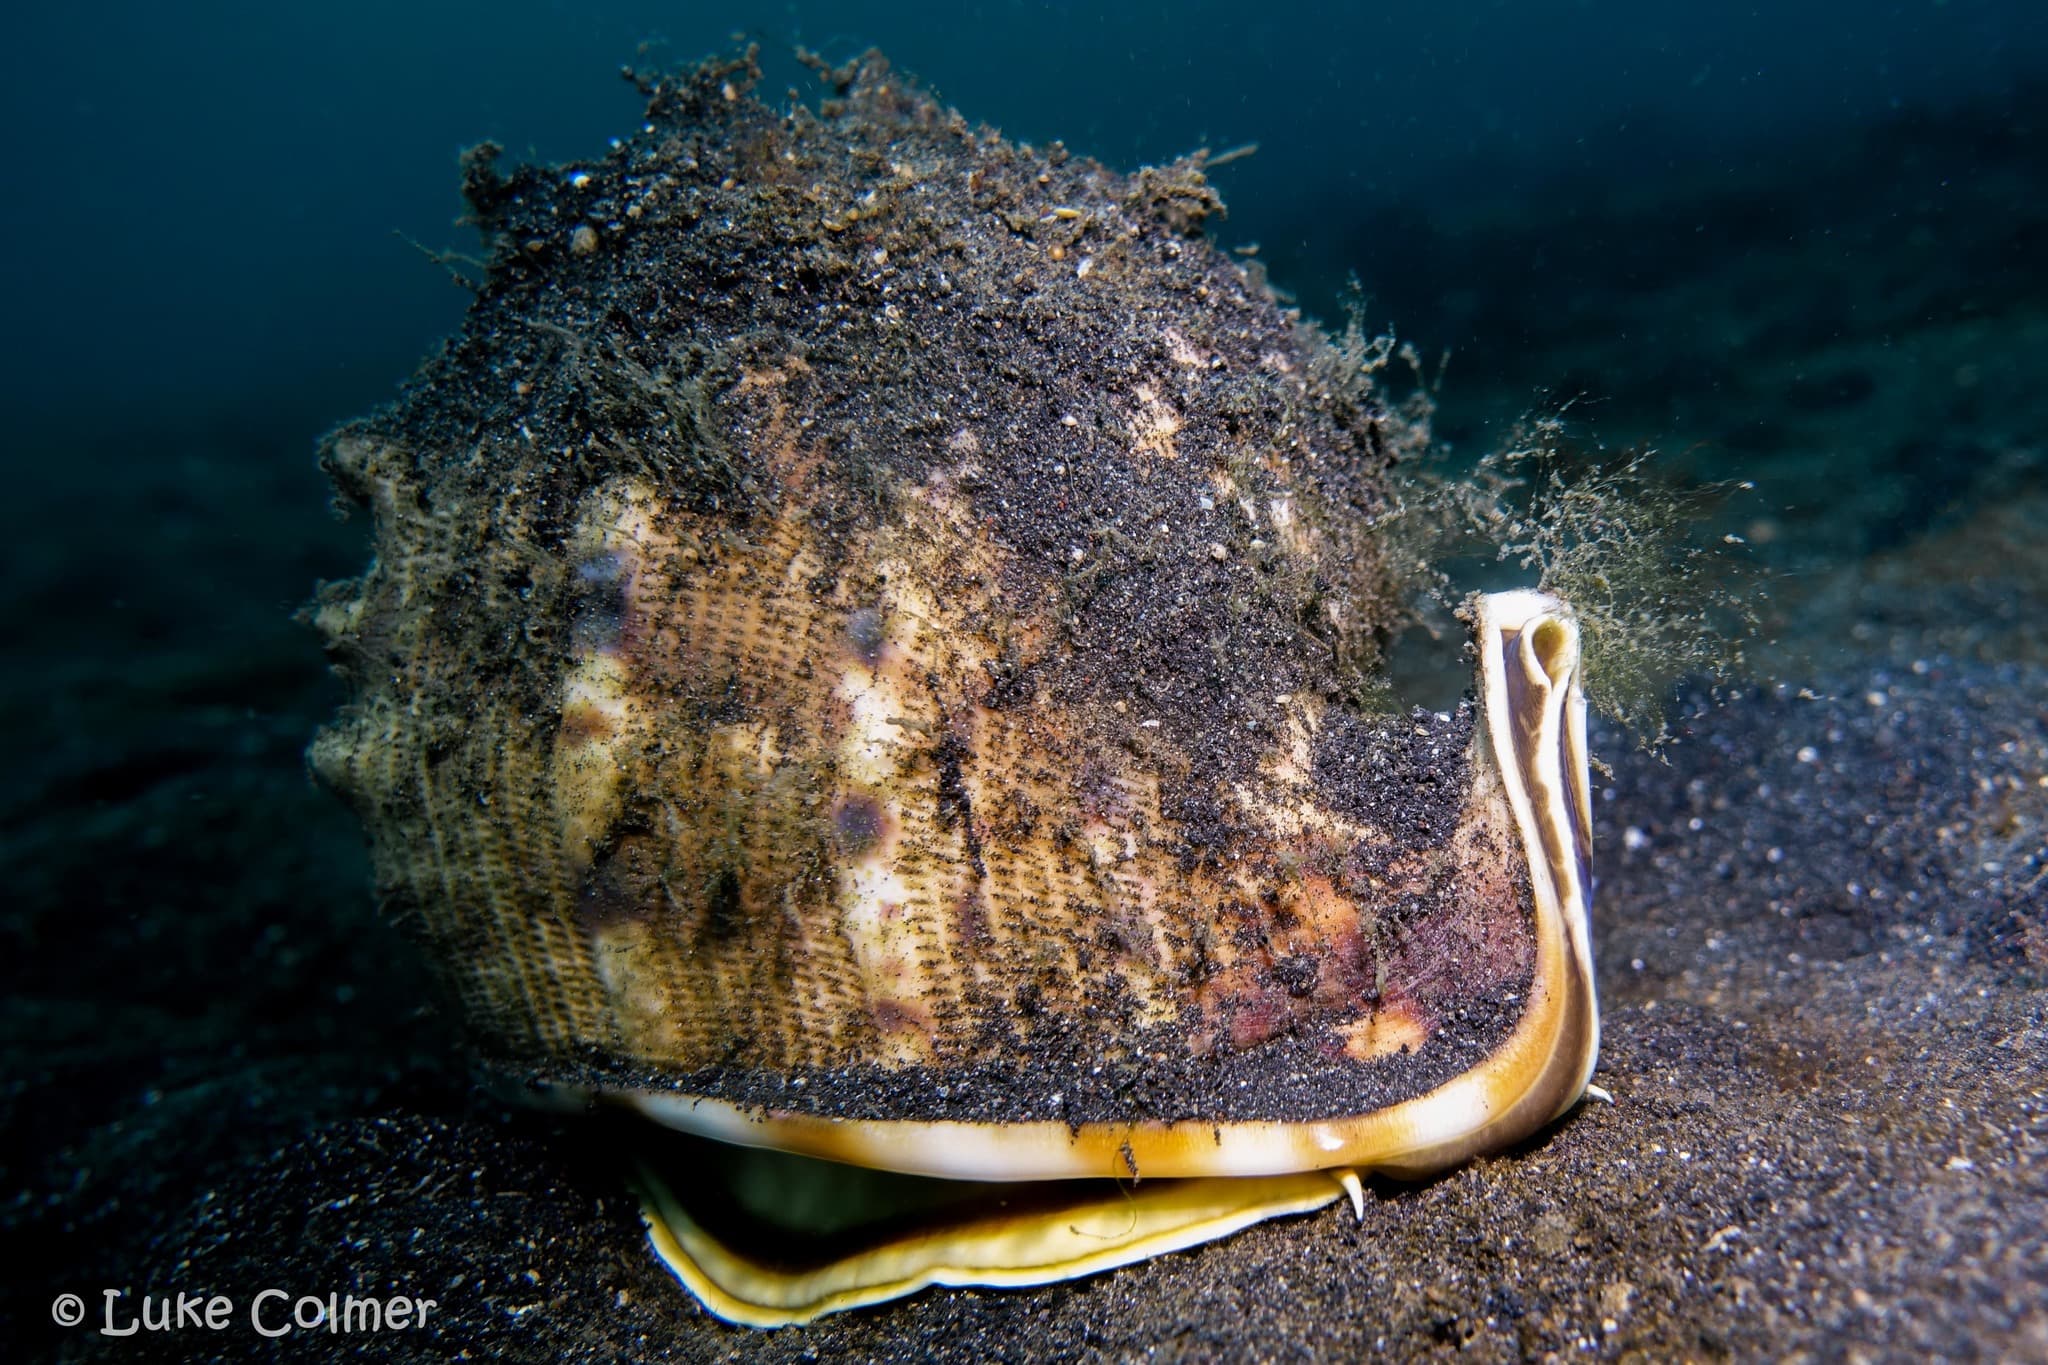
[[861, 663]]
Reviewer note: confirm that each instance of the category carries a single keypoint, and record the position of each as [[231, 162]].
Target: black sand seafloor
[[1822, 913]]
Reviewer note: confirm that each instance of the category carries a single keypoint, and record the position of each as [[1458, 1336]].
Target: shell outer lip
[[1010, 1248]]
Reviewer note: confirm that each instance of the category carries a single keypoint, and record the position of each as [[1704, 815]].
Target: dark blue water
[[207, 201]]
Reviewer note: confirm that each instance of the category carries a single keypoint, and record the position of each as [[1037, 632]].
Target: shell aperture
[[791, 1252]]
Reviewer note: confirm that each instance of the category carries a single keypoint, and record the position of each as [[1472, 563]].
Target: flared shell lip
[[1535, 710], [1007, 1250]]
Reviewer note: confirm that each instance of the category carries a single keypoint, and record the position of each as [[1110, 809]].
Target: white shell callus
[[848, 682]]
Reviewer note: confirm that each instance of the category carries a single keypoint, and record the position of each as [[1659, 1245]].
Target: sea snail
[[857, 665]]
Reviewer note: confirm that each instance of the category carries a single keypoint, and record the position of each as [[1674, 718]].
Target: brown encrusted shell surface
[[867, 616]]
